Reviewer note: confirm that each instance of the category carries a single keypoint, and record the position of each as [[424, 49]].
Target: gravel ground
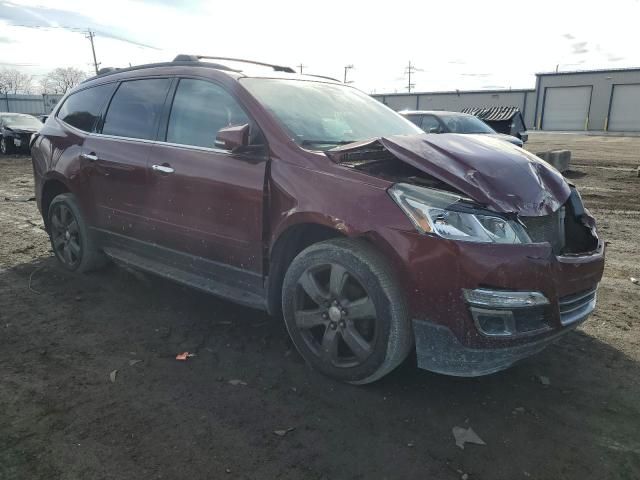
[[571, 412]]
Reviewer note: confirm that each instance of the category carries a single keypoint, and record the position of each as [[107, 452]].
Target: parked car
[[455, 122], [16, 130], [306, 198]]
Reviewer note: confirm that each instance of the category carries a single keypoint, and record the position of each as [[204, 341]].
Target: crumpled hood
[[492, 172]]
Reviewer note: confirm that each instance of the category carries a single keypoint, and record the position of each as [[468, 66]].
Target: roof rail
[[197, 58]]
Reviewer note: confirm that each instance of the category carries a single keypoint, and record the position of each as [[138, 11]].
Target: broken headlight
[[450, 216]]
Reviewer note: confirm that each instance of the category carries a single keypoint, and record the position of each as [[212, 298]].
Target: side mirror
[[434, 130], [233, 138]]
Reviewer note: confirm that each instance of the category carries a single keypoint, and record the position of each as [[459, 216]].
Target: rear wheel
[[345, 312], [71, 240]]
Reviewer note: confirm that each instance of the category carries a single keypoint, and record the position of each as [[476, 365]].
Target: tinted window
[[430, 122], [135, 108], [82, 109], [200, 109]]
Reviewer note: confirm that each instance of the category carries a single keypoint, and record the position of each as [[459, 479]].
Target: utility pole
[[408, 71], [90, 36], [301, 66], [346, 69]]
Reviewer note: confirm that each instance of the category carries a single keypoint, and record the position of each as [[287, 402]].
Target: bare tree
[[13, 81], [61, 80], [47, 85]]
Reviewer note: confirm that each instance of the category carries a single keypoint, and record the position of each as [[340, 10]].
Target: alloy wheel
[[3, 146], [65, 235], [335, 315]]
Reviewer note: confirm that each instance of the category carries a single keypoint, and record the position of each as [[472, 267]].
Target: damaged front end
[[440, 180], [516, 254]]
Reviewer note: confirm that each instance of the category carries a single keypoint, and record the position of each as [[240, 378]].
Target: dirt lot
[[61, 335]]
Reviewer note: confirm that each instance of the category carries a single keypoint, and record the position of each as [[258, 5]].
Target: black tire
[[71, 239], [6, 146], [357, 329]]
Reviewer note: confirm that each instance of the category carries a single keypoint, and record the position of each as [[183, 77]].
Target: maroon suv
[[306, 198]]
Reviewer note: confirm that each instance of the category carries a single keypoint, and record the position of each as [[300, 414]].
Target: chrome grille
[[577, 306]]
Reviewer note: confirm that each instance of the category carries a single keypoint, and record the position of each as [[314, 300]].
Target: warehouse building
[[592, 100]]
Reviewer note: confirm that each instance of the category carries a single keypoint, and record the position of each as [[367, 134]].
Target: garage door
[[566, 108], [625, 109]]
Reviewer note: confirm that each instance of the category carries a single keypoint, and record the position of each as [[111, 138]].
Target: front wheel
[[6, 147], [345, 312]]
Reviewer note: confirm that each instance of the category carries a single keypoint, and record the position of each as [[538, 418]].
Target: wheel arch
[[51, 188], [289, 243]]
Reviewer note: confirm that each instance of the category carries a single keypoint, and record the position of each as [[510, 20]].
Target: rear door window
[[135, 108], [82, 109], [200, 109]]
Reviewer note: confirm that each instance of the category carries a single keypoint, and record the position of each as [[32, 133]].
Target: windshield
[[322, 115], [21, 121], [465, 124]]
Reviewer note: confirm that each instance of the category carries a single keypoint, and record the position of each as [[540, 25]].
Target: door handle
[[162, 168], [89, 156]]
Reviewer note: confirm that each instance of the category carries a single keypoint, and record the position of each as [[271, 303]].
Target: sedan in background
[[16, 130], [455, 122]]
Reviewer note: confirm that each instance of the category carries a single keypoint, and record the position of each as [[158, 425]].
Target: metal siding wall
[[31, 104], [530, 111], [457, 101], [401, 102]]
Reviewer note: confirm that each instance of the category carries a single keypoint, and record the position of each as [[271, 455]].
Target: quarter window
[[135, 108], [200, 109], [82, 109]]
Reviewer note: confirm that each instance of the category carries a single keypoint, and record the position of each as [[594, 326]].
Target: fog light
[[494, 322], [504, 299]]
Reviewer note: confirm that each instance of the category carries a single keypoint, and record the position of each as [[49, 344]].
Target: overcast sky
[[457, 44]]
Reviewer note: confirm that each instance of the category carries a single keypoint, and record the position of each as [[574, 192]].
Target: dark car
[[455, 122], [306, 198], [16, 130]]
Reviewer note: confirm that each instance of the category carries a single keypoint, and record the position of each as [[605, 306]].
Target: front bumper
[[438, 350], [435, 273]]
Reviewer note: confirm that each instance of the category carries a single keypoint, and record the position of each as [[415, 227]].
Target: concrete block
[[559, 159]]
